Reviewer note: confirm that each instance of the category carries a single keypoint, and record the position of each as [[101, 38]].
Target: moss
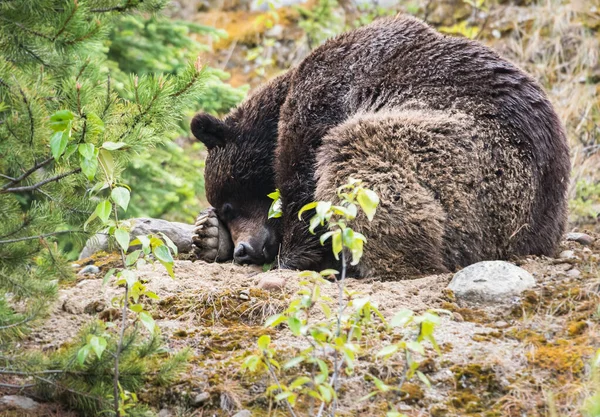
[[564, 356], [526, 336], [576, 328], [477, 388], [472, 315], [412, 393]]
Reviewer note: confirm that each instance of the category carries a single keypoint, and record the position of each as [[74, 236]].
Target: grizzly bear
[[464, 150]]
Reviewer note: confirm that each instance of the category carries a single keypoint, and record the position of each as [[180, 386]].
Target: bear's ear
[[209, 130]]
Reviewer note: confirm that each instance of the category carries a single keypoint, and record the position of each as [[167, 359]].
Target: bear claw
[[211, 240]]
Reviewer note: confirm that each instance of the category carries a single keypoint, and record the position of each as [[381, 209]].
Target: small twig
[[31, 123], [10, 326], [7, 177], [27, 173], [274, 376], [39, 184], [21, 239], [3, 385], [126, 6], [64, 26]]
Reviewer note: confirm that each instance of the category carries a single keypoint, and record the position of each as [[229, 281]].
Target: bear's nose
[[244, 254]]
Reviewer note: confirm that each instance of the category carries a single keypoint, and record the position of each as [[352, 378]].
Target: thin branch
[[64, 26], [187, 86], [26, 29], [31, 123], [19, 323], [86, 36], [7, 177], [27, 173], [41, 183], [125, 7], [3, 385], [21, 239]]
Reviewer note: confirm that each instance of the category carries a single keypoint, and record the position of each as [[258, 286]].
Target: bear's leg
[[211, 241], [413, 160]]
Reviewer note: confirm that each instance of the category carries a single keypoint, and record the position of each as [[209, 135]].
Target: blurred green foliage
[[167, 180]]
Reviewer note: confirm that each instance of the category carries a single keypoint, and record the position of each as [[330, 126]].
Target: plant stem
[[274, 376]]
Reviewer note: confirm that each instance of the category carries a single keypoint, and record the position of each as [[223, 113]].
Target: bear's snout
[[257, 250]]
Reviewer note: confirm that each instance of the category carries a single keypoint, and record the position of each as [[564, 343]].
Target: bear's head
[[238, 176]]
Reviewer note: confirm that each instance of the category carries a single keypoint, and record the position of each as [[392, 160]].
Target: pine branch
[[64, 26], [3, 385], [26, 29], [27, 173], [128, 5], [29, 111], [13, 325], [39, 184], [86, 36], [21, 239]]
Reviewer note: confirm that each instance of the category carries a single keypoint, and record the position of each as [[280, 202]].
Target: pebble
[[243, 413], [272, 283], [165, 412], [567, 254], [201, 398], [501, 324], [19, 401], [89, 269], [581, 238], [574, 273], [244, 295]]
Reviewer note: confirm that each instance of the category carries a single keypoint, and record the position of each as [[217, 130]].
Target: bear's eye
[[227, 212]]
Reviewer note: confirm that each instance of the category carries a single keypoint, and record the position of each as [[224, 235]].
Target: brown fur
[[464, 149]]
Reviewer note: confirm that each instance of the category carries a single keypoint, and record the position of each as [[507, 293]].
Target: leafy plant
[[348, 331]]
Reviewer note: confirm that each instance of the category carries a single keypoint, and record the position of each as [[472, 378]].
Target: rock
[[179, 233], [581, 238], [490, 282], [89, 269], [73, 306], [243, 413], [201, 399], [574, 273], [501, 324], [567, 254], [271, 282], [19, 401], [165, 412], [244, 295]]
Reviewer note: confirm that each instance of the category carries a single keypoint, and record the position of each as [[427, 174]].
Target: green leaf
[[82, 354], [368, 201], [388, 350], [136, 308], [98, 344], [122, 237], [70, 150], [147, 321], [295, 325], [94, 123], [89, 167], [275, 320], [108, 163], [120, 195], [307, 207], [293, 362], [103, 210], [129, 276], [58, 144], [402, 318], [336, 244], [169, 242], [424, 379], [59, 121], [86, 150], [264, 341], [326, 393], [108, 276], [322, 209], [169, 267], [325, 236], [163, 254], [132, 257], [113, 146]]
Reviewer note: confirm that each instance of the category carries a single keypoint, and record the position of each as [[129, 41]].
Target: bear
[[463, 148]]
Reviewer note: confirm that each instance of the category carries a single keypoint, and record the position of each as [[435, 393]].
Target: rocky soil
[[514, 356]]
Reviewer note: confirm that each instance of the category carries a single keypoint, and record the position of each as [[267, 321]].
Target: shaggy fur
[[464, 149]]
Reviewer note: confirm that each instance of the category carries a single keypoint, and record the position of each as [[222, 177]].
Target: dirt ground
[[513, 359]]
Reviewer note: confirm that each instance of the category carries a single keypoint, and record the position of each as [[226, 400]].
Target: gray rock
[[201, 398], [165, 412], [180, 233], [574, 273], [89, 269], [18, 401], [580, 238], [490, 282], [243, 413], [567, 254]]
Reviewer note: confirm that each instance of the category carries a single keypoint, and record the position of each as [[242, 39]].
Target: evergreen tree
[[65, 137]]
